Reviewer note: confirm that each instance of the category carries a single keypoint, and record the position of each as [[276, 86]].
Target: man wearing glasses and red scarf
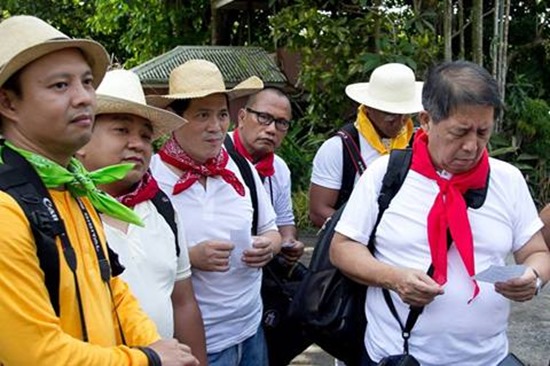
[[263, 124], [432, 222]]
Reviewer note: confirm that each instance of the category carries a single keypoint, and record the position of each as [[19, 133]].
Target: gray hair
[[450, 85]]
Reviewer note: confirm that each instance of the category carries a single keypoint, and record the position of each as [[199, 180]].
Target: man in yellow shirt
[[47, 103]]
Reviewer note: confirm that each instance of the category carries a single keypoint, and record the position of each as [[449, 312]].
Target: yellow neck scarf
[[365, 127]]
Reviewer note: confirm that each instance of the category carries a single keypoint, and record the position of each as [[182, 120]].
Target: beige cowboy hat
[[25, 38], [200, 78], [121, 92], [391, 88]]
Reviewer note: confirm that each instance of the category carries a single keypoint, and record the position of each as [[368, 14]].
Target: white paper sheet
[[500, 273]]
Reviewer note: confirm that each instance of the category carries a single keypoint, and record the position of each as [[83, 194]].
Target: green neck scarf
[[80, 182]]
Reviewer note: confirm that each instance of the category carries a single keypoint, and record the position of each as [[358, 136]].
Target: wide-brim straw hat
[[120, 92], [200, 78], [25, 39], [391, 88]]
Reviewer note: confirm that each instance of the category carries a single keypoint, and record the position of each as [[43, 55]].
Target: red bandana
[[173, 154], [449, 211], [264, 166], [146, 189]]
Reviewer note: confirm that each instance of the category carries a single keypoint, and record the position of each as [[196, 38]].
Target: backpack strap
[[18, 179], [353, 163], [166, 210], [248, 176], [398, 167]]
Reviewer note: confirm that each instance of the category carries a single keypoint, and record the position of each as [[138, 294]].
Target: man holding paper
[[208, 191], [459, 211]]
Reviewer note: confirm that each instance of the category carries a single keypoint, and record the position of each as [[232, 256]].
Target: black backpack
[[19, 179], [329, 305]]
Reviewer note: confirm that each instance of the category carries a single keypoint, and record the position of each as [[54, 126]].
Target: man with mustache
[[458, 212], [156, 266], [208, 191], [63, 307]]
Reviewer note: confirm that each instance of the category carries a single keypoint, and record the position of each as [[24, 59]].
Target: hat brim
[[162, 120], [360, 92], [246, 87], [94, 53]]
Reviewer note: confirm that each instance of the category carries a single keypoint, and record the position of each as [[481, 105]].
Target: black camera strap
[[414, 311]]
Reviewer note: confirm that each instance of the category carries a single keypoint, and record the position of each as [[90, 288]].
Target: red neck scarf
[[449, 210], [264, 166], [173, 154], [145, 190]]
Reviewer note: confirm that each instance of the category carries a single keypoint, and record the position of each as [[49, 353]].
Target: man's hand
[[292, 250], [416, 288], [211, 255], [173, 353], [519, 289], [260, 254]]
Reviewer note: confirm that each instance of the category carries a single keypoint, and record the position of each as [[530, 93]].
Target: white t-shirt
[[230, 301], [328, 162], [450, 331], [152, 266], [278, 187], [279, 190]]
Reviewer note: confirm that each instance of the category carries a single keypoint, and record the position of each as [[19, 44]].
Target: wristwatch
[[538, 283]]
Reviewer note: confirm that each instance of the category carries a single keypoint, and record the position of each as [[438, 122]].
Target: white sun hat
[[391, 88], [24, 39], [200, 78], [121, 92]]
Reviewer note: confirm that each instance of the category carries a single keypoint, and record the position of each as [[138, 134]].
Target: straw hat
[[391, 88], [200, 78], [26, 38], [121, 92]]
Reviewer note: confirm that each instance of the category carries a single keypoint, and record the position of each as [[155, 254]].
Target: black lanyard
[[70, 255]]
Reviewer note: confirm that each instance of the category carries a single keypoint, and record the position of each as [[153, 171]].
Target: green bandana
[[80, 182]]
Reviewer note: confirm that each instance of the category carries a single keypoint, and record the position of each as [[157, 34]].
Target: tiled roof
[[235, 63]]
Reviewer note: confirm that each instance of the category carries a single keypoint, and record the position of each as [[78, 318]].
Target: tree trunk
[[477, 31], [462, 51], [377, 25], [448, 29]]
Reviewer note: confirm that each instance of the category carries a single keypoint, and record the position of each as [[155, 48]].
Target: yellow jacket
[[31, 333]]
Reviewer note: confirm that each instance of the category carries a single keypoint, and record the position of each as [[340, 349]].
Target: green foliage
[[298, 149], [343, 45], [300, 202], [142, 29], [525, 141], [132, 31]]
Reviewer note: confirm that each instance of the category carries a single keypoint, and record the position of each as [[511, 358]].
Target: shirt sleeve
[[328, 164], [32, 333], [184, 265], [526, 221], [282, 192], [138, 328]]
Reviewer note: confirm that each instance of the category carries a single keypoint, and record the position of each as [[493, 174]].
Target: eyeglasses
[[389, 117], [266, 119]]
